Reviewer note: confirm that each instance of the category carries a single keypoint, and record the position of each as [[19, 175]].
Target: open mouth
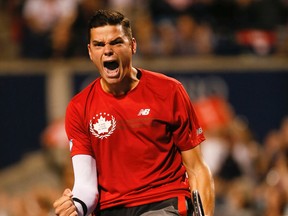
[[111, 65]]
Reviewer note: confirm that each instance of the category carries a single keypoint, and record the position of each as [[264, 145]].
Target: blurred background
[[231, 56]]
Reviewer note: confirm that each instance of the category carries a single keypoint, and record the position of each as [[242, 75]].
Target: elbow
[[92, 200], [95, 195], [88, 195]]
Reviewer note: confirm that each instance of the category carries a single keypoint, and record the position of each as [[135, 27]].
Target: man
[[134, 137]]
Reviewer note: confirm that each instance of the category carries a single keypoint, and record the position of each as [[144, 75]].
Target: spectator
[[255, 32], [168, 9], [192, 38], [166, 45], [78, 42], [130, 7], [144, 29], [46, 27]]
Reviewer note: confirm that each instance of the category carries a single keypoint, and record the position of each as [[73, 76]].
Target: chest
[[135, 115], [133, 108]]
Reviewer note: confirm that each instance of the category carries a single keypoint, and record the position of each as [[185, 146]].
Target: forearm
[[201, 180], [85, 191]]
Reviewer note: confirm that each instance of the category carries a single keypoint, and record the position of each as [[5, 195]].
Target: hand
[[64, 206]]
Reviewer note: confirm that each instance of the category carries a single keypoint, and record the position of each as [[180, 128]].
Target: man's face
[[111, 51]]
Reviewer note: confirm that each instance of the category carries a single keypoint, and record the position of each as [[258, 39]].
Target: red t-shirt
[[136, 139]]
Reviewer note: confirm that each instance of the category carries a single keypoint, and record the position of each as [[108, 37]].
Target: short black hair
[[109, 17]]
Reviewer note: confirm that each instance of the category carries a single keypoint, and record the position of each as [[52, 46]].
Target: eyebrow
[[118, 39]]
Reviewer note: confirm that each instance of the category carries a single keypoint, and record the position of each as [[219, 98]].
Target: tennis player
[[134, 136]]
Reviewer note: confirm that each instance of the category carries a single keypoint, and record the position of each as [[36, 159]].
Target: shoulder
[[159, 80], [160, 85], [164, 86], [81, 98]]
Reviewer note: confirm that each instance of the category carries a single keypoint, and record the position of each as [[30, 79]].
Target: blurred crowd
[[251, 175], [41, 29]]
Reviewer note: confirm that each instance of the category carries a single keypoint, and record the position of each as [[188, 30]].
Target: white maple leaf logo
[[102, 126]]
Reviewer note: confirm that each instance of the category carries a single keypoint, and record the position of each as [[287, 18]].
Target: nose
[[108, 51]]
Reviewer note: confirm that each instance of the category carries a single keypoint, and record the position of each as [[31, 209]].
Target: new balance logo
[[199, 131], [144, 112]]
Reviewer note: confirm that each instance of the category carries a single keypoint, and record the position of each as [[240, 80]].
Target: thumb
[[67, 192]]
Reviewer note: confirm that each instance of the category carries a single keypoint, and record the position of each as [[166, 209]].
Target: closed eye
[[99, 44], [116, 41], [102, 44]]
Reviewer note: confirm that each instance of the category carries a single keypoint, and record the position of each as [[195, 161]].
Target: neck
[[122, 88]]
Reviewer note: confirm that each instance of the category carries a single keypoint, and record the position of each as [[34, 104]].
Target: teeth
[[111, 72]]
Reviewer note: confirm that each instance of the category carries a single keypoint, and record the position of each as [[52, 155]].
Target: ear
[[89, 51], [133, 45]]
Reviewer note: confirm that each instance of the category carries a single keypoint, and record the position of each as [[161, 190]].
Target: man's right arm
[[84, 195]]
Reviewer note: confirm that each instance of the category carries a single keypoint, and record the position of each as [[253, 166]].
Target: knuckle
[[55, 204]]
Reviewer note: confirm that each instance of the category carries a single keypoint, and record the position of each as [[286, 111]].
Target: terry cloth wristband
[[84, 207]]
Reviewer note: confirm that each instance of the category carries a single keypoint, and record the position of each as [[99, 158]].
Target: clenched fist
[[64, 206]]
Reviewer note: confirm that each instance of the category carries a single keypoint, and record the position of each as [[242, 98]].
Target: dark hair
[[109, 17]]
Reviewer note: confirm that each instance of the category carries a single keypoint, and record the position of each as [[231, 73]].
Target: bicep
[[192, 159]]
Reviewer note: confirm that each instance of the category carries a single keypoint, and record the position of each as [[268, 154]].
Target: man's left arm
[[200, 178]]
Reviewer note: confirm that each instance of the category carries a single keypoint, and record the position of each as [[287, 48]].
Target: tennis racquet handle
[[197, 204]]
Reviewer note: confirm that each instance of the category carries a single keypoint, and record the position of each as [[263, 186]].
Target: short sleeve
[[77, 133], [187, 132]]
